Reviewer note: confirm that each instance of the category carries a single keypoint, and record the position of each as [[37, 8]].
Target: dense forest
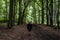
[[37, 12], [15, 12]]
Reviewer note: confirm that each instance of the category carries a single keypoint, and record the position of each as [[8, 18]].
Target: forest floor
[[38, 32]]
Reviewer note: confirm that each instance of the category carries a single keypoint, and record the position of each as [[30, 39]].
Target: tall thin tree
[[14, 11], [20, 12], [51, 12], [58, 15], [10, 21], [6, 9], [35, 18], [42, 12], [39, 16], [47, 12], [25, 6]]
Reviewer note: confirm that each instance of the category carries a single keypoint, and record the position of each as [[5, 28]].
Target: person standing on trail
[[29, 26]]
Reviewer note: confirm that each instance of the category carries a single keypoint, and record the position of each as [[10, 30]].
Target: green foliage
[[29, 12]]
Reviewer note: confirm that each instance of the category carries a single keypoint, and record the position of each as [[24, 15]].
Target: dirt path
[[21, 33]]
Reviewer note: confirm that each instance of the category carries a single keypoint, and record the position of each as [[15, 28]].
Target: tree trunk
[[14, 11], [42, 12], [35, 21], [20, 13], [39, 16], [58, 15], [10, 21], [6, 9], [51, 12], [55, 13], [23, 13], [47, 12]]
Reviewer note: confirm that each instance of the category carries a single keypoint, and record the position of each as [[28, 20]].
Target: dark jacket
[[29, 26]]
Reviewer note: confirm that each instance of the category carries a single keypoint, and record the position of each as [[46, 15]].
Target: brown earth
[[38, 32]]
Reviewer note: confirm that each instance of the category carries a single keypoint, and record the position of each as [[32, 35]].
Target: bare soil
[[38, 32]]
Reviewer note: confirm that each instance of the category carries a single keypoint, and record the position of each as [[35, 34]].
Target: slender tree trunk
[[22, 18], [20, 13], [54, 13], [35, 21], [10, 21], [47, 12], [51, 12], [14, 11], [58, 15], [23, 13], [6, 10], [42, 12], [39, 17]]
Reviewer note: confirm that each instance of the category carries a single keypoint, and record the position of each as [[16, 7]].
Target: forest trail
[[21, 33]]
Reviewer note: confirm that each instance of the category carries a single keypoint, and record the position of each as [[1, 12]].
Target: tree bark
[[35, 19], [47, 12], [20, 13], [10, 21], [42, 12], [58, 15], [51, 12], [14, 11], [6, 10], [39, 16], [23, 13]]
